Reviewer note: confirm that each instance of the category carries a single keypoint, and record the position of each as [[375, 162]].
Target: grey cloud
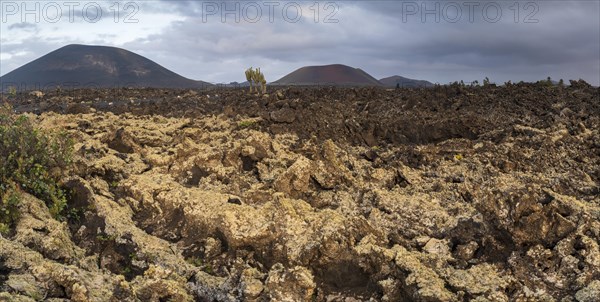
[[372, 35], [23, 25], [32, 50]]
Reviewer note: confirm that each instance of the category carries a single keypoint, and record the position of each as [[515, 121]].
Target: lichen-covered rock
[[296, 179], [158, 284], [480, 280], [590, 293], [294, 284], [25, 285], [250, 282], [422, 282], [4, 296], [322, 195], [122, 142], [36, 228]]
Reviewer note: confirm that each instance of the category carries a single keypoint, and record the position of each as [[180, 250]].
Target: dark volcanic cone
[[94, 66]]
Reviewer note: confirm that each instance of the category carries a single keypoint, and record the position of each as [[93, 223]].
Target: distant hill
[[94, 66], [336, 75], [404, 82], [234, 84]]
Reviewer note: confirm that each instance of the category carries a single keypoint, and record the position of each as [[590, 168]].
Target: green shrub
[[195, 261], [249, 123], [31, 160], [547, 82], [8, 209], [12, 91]]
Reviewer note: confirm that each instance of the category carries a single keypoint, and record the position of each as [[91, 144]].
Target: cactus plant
[[257, 77], [260, 79], [249, 77]]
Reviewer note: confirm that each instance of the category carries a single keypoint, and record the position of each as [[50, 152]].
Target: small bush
[[31, 160], [547, 82], [247, 123], [12, 91], [195, 261], [9, 212]]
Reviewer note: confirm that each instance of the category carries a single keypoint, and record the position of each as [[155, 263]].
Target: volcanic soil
[[316, 194]]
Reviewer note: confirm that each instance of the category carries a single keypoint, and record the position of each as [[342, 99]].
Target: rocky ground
[[329, 194]]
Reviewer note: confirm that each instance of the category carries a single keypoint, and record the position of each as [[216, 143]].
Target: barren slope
[[94, 66], [336, 75]]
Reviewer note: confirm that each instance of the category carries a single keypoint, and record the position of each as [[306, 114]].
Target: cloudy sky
[[440, 41]]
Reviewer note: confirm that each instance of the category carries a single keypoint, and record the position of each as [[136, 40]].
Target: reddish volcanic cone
[[337, 75]]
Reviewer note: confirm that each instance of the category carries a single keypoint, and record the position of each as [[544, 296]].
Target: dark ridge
[[78, 66]]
